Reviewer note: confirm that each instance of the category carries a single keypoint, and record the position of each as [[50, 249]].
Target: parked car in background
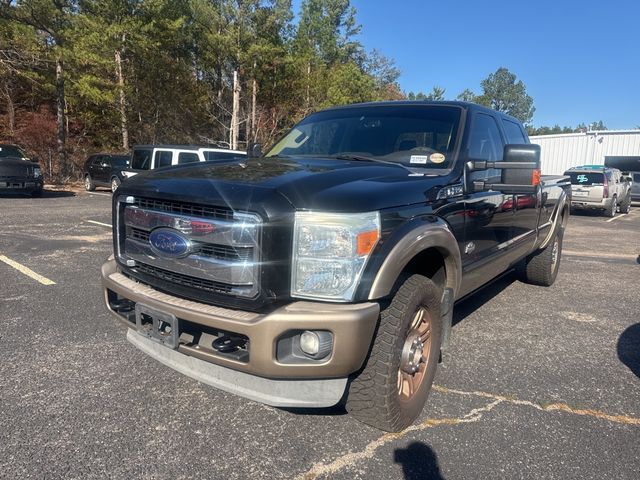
[[596, 187], [18, 174], [150, 157], [105, 170], [635, 186]]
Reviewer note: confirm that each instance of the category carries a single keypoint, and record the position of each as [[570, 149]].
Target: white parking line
[[99, 223], [622, 215], [26, 271], [98, 193]]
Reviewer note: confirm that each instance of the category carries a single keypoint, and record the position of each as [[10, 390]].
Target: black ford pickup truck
[[18, 174], [327, 270]]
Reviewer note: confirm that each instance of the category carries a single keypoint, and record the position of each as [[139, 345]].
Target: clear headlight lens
[[128, 174], [330, 251], [37, 173]]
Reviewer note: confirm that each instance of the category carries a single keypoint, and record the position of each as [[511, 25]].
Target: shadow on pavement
[[629, 348], [418, 461], [45, 194], [476, 300]]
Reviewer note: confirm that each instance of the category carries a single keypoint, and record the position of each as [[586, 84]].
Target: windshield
[[586, 178], [410, 135], [141, 159], [11, 151]]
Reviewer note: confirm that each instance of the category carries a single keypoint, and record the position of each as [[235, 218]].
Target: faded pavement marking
[[26, 271], [562, 407], [99, 223], [349, 459]]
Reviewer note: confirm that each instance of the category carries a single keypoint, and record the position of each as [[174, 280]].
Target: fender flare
[[435, 234], [556, 220]]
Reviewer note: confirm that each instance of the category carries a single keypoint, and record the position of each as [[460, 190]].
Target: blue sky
[[580, 60]]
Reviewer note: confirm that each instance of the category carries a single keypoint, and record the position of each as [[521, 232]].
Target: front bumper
[[352, 326], [12, 184]]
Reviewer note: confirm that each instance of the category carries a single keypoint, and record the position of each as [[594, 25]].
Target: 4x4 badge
[[469, 248]]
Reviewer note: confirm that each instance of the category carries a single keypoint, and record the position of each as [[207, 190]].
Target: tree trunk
[[308, 102], [11, 108], [235, 113], [254, 101], [60, 104], [123, 101]]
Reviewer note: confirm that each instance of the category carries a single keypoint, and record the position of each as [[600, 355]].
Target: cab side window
[[485, 143], [163, 158]]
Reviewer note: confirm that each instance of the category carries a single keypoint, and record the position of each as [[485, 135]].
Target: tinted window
[[11, 151], [586, 178], [412, 135], [187, 157], [210, 156], [485, 143], [513, 132], [120, 160], [141, 159], [163, 158], [636, 177]]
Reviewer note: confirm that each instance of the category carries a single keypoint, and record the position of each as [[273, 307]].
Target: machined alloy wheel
[[390, 391], [115, 183], [612, 210], [89, 186]]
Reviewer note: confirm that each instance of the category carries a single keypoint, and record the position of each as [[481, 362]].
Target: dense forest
[[81, 76], [88, 75]]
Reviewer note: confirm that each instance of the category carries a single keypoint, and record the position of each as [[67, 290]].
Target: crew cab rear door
[[489, 215]]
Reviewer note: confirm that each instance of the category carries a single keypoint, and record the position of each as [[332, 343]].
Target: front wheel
[[625, 206], [392, 388]]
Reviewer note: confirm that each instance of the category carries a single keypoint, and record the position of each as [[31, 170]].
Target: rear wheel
[[541, 267], [392, 388], [115, 183], [611, 211], [625, 206], [89, 186]]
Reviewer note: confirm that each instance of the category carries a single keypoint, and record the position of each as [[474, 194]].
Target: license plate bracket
[[158, 326]]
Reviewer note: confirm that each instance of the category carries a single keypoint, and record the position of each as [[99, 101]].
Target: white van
[[150, 157]]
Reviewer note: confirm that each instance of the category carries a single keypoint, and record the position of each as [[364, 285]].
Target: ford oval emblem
[[168, 242]]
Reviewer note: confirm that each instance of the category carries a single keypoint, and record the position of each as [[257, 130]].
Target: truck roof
[[445, 103]]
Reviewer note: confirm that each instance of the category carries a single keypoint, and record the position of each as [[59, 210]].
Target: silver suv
[[599, 187]]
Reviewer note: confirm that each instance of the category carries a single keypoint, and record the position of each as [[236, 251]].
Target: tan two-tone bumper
[[352, 326]]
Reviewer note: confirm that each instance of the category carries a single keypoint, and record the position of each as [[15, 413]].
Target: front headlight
[[37, 173], [330, 251], [128, 174]]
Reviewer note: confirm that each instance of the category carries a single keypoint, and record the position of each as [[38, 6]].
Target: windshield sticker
[[436, 158], [582, 178], [422, 159]]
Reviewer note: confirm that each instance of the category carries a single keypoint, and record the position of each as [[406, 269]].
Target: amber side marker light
[[366, 241], [535, 177]]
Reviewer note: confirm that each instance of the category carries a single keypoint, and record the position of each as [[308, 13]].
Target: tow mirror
[[520, 170]]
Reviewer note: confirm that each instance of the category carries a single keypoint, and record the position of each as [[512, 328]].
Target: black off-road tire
[[625, 206], [611, 212], [541, 267], [374, 396], [89, 186]]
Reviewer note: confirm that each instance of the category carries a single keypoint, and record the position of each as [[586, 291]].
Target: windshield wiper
[[363, 158]]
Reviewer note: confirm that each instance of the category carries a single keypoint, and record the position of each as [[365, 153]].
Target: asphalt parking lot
[[539, 382]]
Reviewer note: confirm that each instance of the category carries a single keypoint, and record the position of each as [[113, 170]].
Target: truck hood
[[306, 184]]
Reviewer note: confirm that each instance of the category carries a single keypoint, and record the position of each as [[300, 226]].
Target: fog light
[[309, 343]]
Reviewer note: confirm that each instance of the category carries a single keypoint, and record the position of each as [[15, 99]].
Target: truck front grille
[[220, 249]]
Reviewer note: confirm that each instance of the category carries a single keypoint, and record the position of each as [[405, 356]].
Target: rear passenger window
[[141, 159], [187, 157], [513, 132], [163, 158]]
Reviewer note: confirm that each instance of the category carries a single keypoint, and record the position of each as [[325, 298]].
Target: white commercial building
[[562, 151]]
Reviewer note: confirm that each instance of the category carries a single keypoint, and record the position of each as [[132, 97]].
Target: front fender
[[412, 238]]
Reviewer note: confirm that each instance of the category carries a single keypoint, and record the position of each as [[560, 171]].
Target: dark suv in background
[[18, 173], [105, 170]]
